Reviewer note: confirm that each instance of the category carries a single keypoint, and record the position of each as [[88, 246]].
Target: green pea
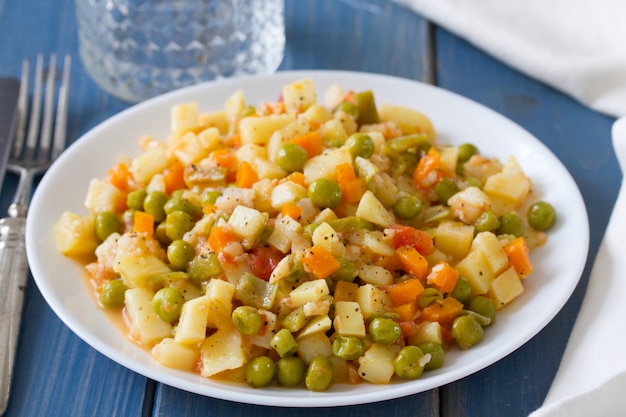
[[466, 151], [437, 354], [408, 206], [177, 224], [283, 343], [135, 199], [541, 215], [347, 270], [348, 107], [291, 157], [409, 362], [445, 189], [384, 330], [511, 224], [467, 331], [168, 303], [429, 296], [319, 374], [154, 204], [247, 320], [180, 253], [483, 306], [360, 144], [181, 204], [487, 222], [210, 197], [160, 234], [325, 193], [107, 223], [112, 293], [348, 347], [204, 267], [462, 290], [290, 371], [260, 371]]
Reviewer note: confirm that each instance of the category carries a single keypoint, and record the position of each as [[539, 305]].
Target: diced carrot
[[412, 261], [220, 237], [519, 256], [405, 291], [246, 175], [406, 312], [311, 142], [143, 223], [345, 291], [410, 236], [319, 262], [442, 311], [174, 178], [224, 158], [292, 210], [352, 187], [297, 177], [344, 173], [120, 176], [443, 277], [428, 172]]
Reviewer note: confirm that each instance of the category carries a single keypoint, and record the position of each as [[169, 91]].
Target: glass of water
[[137, 49]]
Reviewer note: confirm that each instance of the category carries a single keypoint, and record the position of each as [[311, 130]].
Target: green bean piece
[[437, 354], [462, 290], [247, 320], [325, 193], [154, 204], [168, 303], [409, 362], [254, 291], [511, 224], [466, 151], [541, 215], [429, 296], [467, 331], [204, 267], [291, 157], [181, 204], [290, 371], [107, 223], [487, 222], [135, 199], [483, 306], [384, 330], [295, 320], [319, 374], [398, 163], [408, 142], [112, 293], [408, 206], [360, 144], [283, 343], [365, 103], [161, 236], [260, 371], [180, 253], [210, 197], [348, 107], [445, 189], [348, 347], [349, 224], [177, 224], [347, 271]]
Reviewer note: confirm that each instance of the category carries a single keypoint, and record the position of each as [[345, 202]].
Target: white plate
[[558, 265]]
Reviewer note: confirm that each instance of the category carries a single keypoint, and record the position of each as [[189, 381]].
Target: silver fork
[[32, 154]]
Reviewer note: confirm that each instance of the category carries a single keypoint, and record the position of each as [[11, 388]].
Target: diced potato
[[104, 196], [175, 355], [287, 192], [309, 291], [224, 349], [469, 204], [215, 119], [348, 319], [75, 235], [285, 230], [320, 307], [325, 236], [372, 210], [235, 104], [137, 269], [454, 238], [151, 162], [323, 166], [376, 275], [316, 115], [193, 320], [299, 95], [317, 324], [376, 365], [333, 132], [249, 152], [449, 157], [258, 130], [510, 185], [313, 346], [429, 331], [221, 295], [475, 267], [270, 327], [188, 148], [184, 116], [372, 300], [505, 288], [491, 247], [374, 243], [145, 325], [248, 224], [408, 120], [268, 169]]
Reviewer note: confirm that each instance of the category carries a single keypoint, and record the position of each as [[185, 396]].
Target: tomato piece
[[263, 259], [410, 236]]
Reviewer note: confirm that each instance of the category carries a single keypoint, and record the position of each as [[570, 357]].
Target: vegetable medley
[[306, 241]]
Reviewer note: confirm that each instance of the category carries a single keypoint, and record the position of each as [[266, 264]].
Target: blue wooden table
[[57, 374]]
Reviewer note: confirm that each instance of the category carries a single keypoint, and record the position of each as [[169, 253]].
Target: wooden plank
[[581, 138]]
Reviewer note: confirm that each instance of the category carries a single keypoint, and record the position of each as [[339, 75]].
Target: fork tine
[[60, 125], [48, 108], [35, 112], [22, 111]]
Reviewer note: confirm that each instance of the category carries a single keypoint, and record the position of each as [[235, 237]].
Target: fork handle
[[13, 276]]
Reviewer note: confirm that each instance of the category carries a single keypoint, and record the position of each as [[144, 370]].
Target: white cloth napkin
[[591, 380], [576, 46]]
